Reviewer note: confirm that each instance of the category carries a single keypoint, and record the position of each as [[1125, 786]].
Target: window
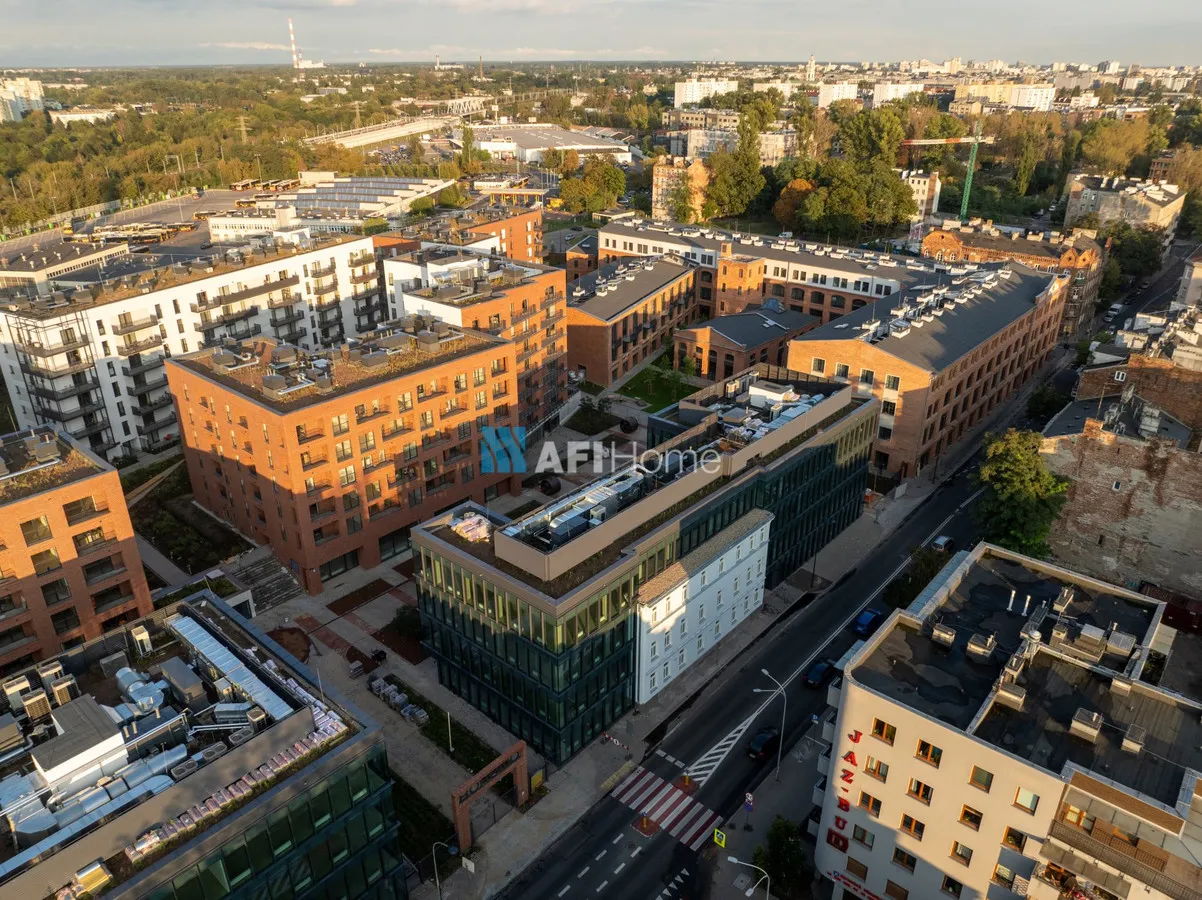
[[906, 860], [912, 826], [892, 382], [884, 433], [884, 731], [654, 649], [951, 887], [1117, 486], [919, 791], [971, 818], [896, 891], [857, 868], [929, 753], [1078, 817], [1014, 838], [367, 442], [871, 804], [867, 376], [876, 768], [1120, 376], [340, 424], [46, 561], [961, 854], [862, 836], [1026, 800], [36, 530], [981, 779], [818, 366], [346, 475], [1003, 876], [841, 370], [342, 450]]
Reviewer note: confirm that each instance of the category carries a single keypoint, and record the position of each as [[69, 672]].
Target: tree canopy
[[1021, 498]]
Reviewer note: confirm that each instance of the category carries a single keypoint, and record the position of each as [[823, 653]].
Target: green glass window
[[338, 848], [281, 832], [213, 879], [320, 805], [187, 886], [357, 781], [319, 856], [302, 823], [340, 796], [237, 862], [258, 844]]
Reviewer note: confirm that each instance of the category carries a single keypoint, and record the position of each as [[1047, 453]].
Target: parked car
[[764, 744], [943, 544], [867, 621], [820, 673]]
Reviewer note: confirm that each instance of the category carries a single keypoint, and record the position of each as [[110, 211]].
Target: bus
[[73, 225], [248, 184], [245, 203], [201, 214]]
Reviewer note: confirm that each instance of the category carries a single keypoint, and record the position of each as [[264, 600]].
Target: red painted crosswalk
[[669, 807]]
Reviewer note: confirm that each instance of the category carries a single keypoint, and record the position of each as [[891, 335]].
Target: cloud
[[419, 52], [246, 45]]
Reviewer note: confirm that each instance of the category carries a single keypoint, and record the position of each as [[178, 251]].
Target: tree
[[942, 126], [1137, 250], [925, 564], [414, 145], [872, 135], [722, 192], [570, 163], [786, 208], [1068, 159], [1024, 166], [785, 859], [1110, 146], [1021, 498], [680, 201], [888, 199], [467, 156], [553, 159]]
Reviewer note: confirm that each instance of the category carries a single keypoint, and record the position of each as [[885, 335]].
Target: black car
[[764, 744], [820, 673]]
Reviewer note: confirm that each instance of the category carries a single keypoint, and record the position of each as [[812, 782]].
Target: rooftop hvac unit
[[1011, 695], [225, 690], [981, 646], [13, 689], [184, 769], [1086, 724], [1063, 599], [64, 690], [1133, 740], [37, 705], [49, 672], [943, 634], [256, 718], [141, 638]]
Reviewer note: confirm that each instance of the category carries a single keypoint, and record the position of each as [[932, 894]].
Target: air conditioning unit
[[64, 690], [37, 705], [141, 639], [49, 672], [13, 689]]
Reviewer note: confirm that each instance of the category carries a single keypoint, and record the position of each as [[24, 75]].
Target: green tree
[[553, 159], [785, 860], [925, 564], [467, 156], [1110, 146], [1021, 497], [722, 192], [570, 162], [788, 204], [748, 178], [871, 136], [942, 126], [888, 199], [680, 201], [1024, 166], [1068, 159], [1137, 250]]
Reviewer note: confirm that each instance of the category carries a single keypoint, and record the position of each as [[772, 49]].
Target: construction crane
[[975, 139]]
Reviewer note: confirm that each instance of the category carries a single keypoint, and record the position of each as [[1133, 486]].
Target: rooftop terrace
[[40, 460]]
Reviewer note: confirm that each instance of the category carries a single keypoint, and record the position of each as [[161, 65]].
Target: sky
[[175, 32]]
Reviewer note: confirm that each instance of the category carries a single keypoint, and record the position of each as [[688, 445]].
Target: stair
[[270, 581]]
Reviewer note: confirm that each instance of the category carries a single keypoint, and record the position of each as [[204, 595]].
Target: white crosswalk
[[701, 770], [674, 811]]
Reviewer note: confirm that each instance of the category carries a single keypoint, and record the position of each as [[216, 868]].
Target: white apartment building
[[694, 90], [884, 91], [1038, 97], [88, 357], [19, 96], [926, 187], [91, 114], [840, 90], [685, 610], [239, 225], [1189, 291], [446, 282], [999, 738]]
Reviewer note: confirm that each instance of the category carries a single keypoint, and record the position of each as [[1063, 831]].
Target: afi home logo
[[503, 450]]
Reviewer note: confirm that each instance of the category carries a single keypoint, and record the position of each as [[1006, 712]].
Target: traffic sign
[[720, 838], [748, 802]]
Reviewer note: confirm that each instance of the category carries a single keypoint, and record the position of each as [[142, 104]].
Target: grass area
[[222, 587], [591, 421], [557, 224], [131, 480], [755, 225], [188, 537], [657, 386], [422, 823], [589, 388], [470, 751]]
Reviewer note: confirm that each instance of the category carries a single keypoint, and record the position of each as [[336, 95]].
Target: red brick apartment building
[[1076, 255], [940, 361], [331, 457], [581, 257], [625, 313], [513, 231], [728, 344], [69, 564]]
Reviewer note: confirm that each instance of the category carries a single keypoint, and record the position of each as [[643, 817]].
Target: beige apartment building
[[1144, 204], [1020, 730]]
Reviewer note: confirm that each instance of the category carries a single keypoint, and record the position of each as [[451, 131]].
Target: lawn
[[188, 537], [655, 387], [131, 480], [592, 421], [589, 388], [471, 752], [422, 823]]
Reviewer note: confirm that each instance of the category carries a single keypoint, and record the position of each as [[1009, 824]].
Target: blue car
[[867, 622]]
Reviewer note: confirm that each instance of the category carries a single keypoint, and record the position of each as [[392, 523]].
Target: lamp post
[[434, 856], [763, 877], [780, 689]]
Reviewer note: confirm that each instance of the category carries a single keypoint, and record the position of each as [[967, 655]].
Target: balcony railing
[[255, 290], [64, 393], [318, 271], [96, 578], [361, 259], [527, 354], [136, 325], [1124, 862], [147, 343], [323, 289], [142, 409], [522, 315], [159, 425], [66, 415], [293, 335], [89, 429], [109, 540], [11, 612], [286, 299], [30, 367], [84, 515], [147, 386], [364, 278], [287, 318], [44, 351]]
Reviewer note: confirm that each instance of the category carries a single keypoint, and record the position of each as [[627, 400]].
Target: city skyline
[[349, 31]]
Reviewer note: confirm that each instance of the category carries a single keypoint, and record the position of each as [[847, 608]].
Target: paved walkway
[[161, 565]]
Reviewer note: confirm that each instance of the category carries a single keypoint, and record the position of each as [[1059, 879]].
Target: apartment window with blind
[[896, 891], [857, 869]]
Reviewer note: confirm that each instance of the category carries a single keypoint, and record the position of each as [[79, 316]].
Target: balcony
[[111, 601], [527, 354], [146, 387], [394, 433], [156, 426], [553, 354], [147, 343], [550, 320], [368, 307], [318, 489], [43, 351], [320, 290], [1125, 861], [144, 365], [292, 335], [362, 259], [321, 515], [286, 299], [143, 409], [307, 465], [8, 613], [84, 514], [287, 318], [318, 271], [553, 337], [95, 545], [100, 576], [132, 325], [328, 316], [89, 429], [29, 367], [66, 415], [242, 334], [522, 315], [65, 392], [451, 411], [364, 278], [226, 318]]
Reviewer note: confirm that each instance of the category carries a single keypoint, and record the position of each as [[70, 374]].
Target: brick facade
[[1134, 508], [1172, 388], [715, 355]]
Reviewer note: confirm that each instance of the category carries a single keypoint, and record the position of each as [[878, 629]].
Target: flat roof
[[1021, 243], [1118, 417], [1152, 191], [54, 253], [81, 724], [42, 459], [756, 326], [539, 137], [612, 289], [954, 329], [699, 558]]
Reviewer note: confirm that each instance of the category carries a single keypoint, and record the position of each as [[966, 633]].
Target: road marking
[[584, 871], [601, 854], [566, 888], [660, 753], [635, 852], [619, 868], [617, 837], [602, 886], [680, 763]]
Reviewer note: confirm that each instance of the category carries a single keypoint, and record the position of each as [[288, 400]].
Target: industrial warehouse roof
[[956, 331], [611, 290], [540, 137], [756, 326]]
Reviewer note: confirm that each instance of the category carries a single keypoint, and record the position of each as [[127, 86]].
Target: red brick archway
[[512, 760]]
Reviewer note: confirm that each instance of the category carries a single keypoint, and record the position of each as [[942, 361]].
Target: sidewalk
[[161, 565]]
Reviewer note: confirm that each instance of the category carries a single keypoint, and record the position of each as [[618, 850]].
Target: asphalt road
[[1162, 289], [603, 856]]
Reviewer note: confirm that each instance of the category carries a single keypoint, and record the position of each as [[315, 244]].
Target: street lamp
[[780, 689], [434, 856], [763, 877]]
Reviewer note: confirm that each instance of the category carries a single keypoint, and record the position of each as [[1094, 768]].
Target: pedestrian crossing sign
[[720, 838]]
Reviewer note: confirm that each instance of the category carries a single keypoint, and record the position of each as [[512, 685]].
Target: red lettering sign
[[850, 757], [843, 804], [854, 737], [836, 840], [841, 823], [847, 775]]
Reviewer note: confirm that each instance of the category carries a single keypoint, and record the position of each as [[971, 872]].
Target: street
[[1163, 287], [605, 855]]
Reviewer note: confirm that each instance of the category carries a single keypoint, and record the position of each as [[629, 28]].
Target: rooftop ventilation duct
[[1086, 724], [1063, 599], [981, 646], [1134, 739], [943, 635], [1011, 695]]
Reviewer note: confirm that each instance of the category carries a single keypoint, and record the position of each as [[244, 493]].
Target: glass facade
[[559, 681], [335, 840]]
